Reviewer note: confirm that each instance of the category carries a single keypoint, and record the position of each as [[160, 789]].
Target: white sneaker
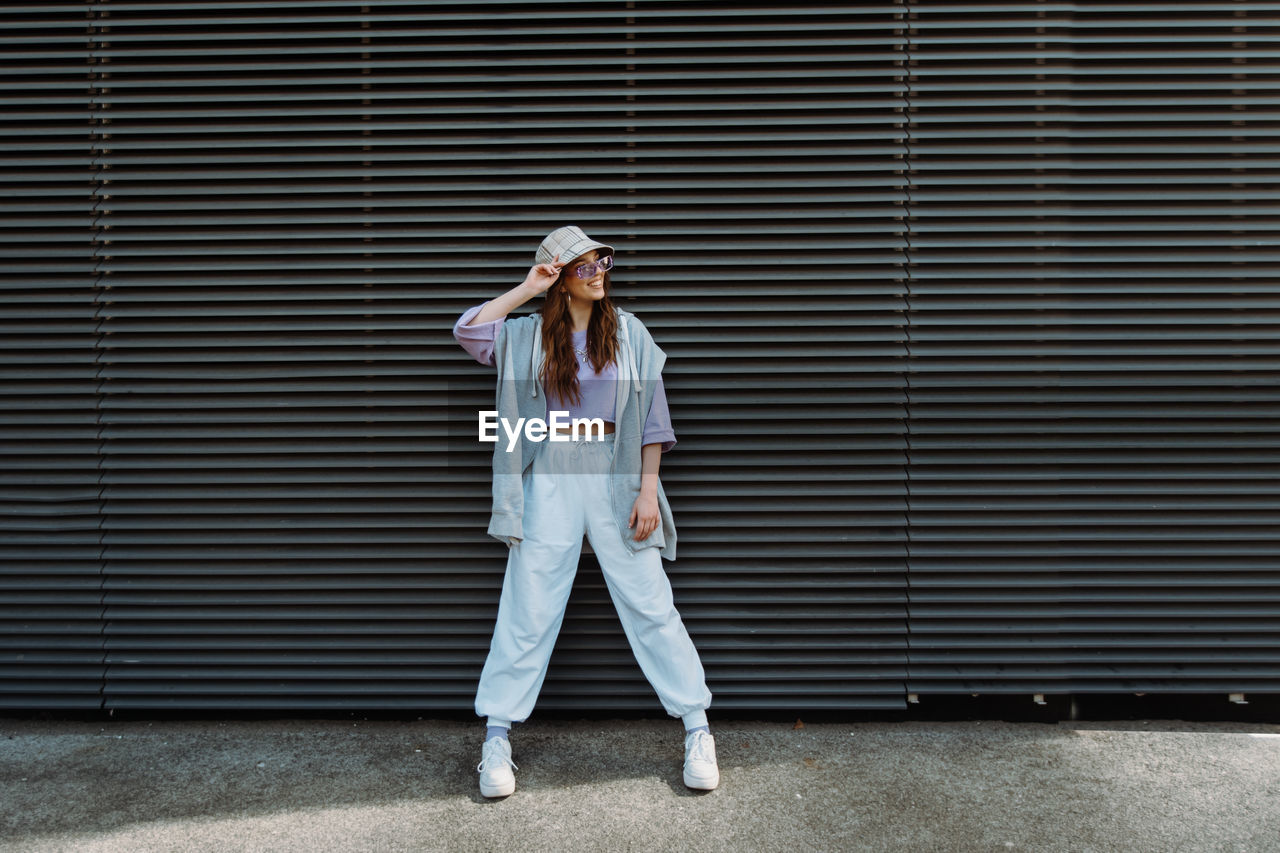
[[700, 770], [496, 778]]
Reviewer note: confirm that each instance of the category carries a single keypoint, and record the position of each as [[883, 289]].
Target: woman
[[582, 355]]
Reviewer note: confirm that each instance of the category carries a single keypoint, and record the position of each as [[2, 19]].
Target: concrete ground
[[316, 785]]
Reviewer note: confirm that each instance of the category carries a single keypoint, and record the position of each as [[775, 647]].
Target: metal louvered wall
[[1094, 362], [51, 508], [970, 310]]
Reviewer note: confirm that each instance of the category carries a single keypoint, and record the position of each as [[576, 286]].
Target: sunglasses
[[588, 270]]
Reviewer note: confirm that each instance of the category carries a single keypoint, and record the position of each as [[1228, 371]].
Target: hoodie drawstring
[[631, 354], [533, 361]]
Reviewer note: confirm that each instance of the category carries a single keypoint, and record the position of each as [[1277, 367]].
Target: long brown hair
[[559, 373]]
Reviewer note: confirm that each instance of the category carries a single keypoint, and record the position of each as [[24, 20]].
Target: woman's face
[[586, 289]]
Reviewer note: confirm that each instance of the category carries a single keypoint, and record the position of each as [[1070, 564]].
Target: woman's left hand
[[644, 516]]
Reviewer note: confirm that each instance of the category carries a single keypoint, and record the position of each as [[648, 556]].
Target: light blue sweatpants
[[566, 493]]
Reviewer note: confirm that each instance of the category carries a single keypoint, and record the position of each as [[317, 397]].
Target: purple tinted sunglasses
[[588, 270]]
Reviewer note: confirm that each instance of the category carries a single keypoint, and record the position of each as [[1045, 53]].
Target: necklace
[[583, 353]]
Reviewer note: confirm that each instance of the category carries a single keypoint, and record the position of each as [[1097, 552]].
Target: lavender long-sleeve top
[[596, 389]]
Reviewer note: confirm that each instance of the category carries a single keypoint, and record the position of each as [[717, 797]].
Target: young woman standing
[[582, 355]]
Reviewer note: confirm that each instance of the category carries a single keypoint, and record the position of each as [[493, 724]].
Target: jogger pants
[[566, 493]]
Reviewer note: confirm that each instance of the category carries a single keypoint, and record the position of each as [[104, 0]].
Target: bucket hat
[[568, 242]]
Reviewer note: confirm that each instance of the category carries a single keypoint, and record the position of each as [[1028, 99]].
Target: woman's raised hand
[[542, 276], [539, 280]]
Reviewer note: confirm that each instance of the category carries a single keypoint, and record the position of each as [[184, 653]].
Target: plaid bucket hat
[[568, 242]]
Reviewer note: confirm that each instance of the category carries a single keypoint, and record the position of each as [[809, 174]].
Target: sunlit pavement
[[311, 785]]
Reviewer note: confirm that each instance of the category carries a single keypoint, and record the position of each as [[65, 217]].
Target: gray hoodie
[[518, 356]]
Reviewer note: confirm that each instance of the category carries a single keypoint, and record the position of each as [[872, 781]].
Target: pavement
[[616, 785]]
